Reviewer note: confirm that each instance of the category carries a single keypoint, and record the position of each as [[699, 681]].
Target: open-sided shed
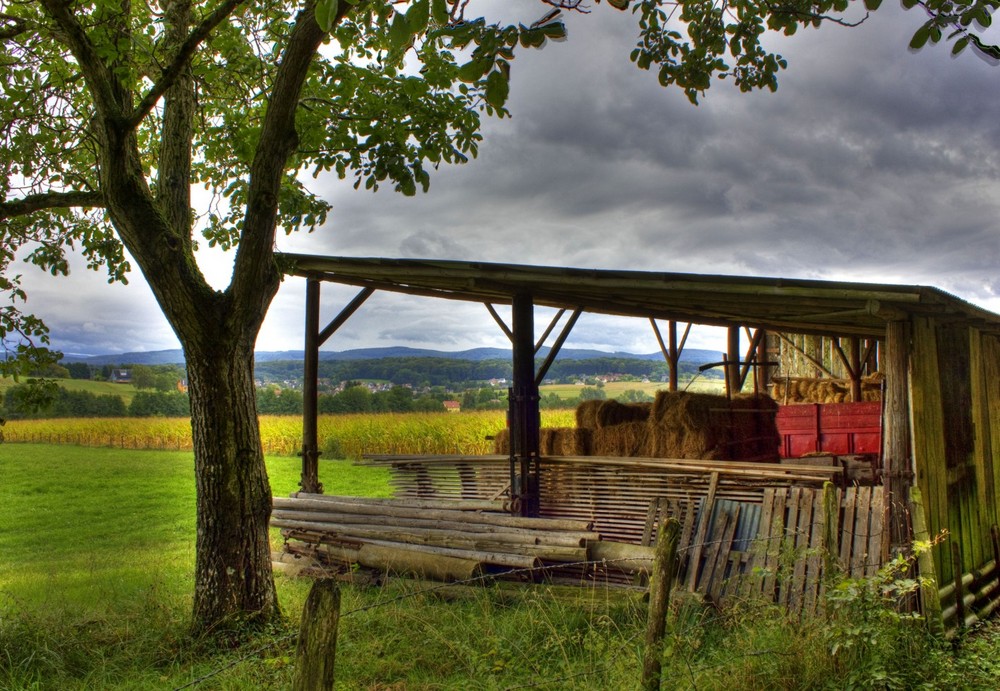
[[940, 459]]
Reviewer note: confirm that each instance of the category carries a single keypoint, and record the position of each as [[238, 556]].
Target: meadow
[[96, 582]]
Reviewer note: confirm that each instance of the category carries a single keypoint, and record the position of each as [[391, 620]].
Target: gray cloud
[[869, 163]]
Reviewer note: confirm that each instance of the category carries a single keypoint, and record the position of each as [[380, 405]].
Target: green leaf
[[399, 33], [326, 12], [920, 37], [960, 45], [531, 38], [474, 70], [872, 5], [439, 10], [418, 16], [556, 31], [497, 89]]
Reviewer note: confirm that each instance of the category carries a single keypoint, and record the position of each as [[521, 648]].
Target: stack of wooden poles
[[443, 539]]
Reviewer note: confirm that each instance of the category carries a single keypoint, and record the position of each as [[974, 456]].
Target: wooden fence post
[[317, 648], [831, 530], [661, 579]]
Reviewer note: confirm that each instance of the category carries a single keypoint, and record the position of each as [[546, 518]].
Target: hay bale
[[683, 427], [586, 414], [627, 439], [706, 426], [755, 434], [563, 441], [611, 413], [501, 442]]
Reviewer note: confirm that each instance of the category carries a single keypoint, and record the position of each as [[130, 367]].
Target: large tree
[[133, 131]]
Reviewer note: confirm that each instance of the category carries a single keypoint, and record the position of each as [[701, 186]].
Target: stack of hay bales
[[620, 429], [552, 441], [674, 425], [705, 426], [792, 390]]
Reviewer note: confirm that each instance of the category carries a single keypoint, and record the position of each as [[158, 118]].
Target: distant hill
[[176, 357]]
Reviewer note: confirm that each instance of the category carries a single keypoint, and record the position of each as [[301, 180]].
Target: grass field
[[96, 562], [99, 388], [615, 389]]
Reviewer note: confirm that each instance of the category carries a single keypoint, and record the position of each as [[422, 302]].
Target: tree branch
[[49, 200], [254, 269], [103, 86], [171, 72], [14, 26]]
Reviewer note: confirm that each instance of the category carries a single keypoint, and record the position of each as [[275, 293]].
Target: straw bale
[[686, 425], [755, 432], [501, 442], [586, 414], [564, 441], [616, 413], [626, 439]]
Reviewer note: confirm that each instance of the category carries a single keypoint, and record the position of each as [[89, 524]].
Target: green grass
[[99, 388], [96, 562]]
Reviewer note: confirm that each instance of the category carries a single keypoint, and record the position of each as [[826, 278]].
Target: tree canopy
[[135, 132]]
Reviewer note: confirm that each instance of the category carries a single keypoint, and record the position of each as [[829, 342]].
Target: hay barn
[[875, 410]]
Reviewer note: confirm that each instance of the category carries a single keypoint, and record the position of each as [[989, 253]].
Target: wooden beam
[[557, 346], [345, 314], [500, 322]]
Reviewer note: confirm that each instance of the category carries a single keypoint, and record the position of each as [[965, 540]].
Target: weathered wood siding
[[955, 409]]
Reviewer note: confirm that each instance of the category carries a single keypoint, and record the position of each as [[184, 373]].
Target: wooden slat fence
[[746, 529]]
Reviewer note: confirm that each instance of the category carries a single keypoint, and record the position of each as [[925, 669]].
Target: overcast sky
[[871, 162]]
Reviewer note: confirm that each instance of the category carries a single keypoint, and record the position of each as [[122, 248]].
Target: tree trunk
[[233, 577]]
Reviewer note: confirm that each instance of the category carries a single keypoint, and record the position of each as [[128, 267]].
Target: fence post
[[664, 561], [317, 648], [831, 530]]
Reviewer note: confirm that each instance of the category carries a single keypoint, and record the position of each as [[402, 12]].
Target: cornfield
[[340, 436]]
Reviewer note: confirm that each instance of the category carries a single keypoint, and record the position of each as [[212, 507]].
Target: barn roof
[[776, 304]]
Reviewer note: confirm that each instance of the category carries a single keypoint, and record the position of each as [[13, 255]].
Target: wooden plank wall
[[955, 399], [785, 560]]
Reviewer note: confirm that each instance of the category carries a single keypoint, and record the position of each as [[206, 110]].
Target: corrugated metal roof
[[777, 304]]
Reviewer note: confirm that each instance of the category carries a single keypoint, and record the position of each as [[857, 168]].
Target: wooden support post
[[309, 481], [674, 355], [523, 410], [732, 368], [762, 372], [854, 354], [317, 648], [897, 472], [660, 583]]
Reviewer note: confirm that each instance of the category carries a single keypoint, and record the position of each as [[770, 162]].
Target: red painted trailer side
[[831, 428]]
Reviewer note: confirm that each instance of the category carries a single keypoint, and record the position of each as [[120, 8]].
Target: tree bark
[[233, 576]]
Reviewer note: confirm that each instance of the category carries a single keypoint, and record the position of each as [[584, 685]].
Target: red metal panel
[[834, 428]]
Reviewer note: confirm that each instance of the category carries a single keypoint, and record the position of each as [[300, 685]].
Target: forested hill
[[452, 373], [176, 357]]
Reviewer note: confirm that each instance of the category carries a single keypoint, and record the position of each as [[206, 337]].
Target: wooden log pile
[[444, 540]]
